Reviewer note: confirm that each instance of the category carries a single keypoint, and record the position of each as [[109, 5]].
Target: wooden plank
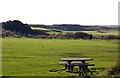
[[67, 62], [75, 59], [81, 64], [76, 64]]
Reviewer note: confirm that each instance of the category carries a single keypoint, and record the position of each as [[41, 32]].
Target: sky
[[83, 12]]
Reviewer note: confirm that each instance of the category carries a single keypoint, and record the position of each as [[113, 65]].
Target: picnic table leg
[[72, 68], [83, 70], [85, 67], [69, 67], [80, 72]]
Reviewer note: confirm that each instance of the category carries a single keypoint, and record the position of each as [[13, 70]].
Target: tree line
[[17, 29]]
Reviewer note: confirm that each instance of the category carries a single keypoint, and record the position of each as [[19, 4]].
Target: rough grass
[[35, 57]]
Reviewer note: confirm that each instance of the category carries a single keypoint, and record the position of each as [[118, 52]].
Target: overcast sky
[[84, 12]]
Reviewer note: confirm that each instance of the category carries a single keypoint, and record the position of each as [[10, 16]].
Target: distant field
[[36, 28], [95, 33], [34, 57], [103, 32]]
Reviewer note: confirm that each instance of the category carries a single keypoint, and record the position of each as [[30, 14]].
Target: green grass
[[36, 28], [34, 57], [96, 33], [104, 33]]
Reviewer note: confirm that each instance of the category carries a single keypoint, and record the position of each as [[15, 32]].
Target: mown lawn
[[35, 57]]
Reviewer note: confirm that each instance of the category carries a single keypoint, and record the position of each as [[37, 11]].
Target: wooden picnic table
[[83, 66]]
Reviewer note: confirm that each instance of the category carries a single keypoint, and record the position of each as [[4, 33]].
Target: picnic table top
[[75, 59]]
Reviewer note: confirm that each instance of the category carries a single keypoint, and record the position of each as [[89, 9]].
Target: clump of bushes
[[77, 35], [115, 70], [8, 33]]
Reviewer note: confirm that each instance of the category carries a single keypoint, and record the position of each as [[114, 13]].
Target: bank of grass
[[103, 33], [98, 33], [36, 28], [35, 57]]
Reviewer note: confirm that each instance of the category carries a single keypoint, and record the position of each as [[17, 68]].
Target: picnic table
[[81, 62]]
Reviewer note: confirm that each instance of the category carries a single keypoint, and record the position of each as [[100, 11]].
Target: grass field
[[34, 57], [96, 33], [36, 28], [103, 33]]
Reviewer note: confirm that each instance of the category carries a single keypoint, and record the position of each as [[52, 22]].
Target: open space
[[35, 57]]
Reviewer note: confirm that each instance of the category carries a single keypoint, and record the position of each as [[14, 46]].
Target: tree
[[81, 35], [20, 29]]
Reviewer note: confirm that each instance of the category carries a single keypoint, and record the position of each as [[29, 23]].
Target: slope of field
[[35, 57], [36, 28], [103, 33]]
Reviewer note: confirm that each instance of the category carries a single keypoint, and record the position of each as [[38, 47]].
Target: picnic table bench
[[81, 62]]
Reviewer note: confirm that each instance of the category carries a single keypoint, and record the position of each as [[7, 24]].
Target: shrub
[[115, 70]]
